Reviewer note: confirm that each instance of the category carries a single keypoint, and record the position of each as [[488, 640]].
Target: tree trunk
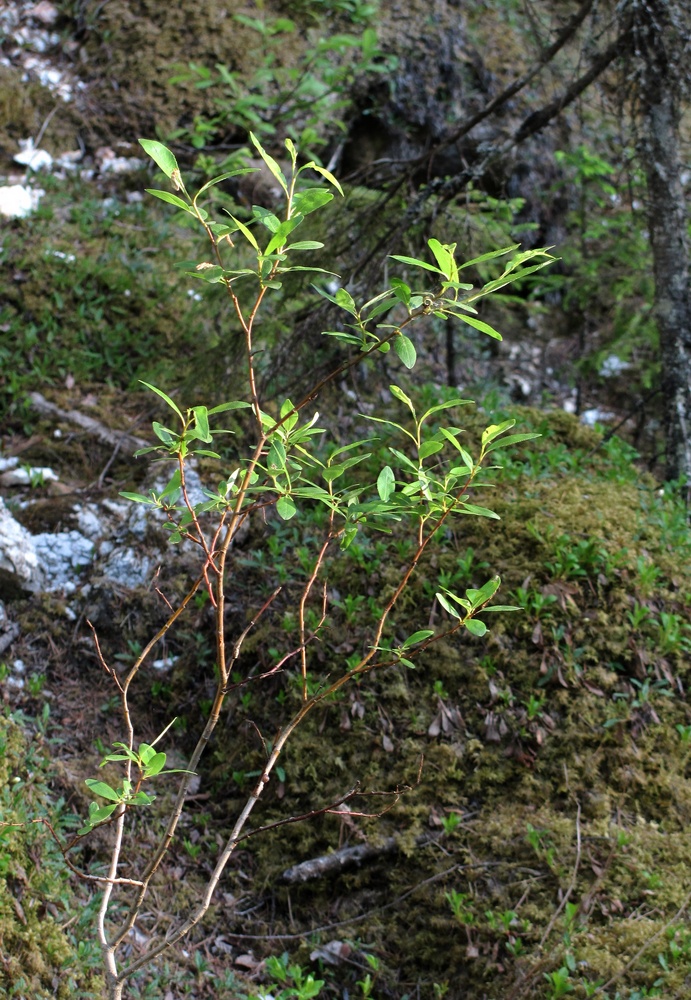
[[660, 40]]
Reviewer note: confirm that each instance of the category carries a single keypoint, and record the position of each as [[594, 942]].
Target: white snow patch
[[613, 365], [17, 201], [30, 156], [596, 416]]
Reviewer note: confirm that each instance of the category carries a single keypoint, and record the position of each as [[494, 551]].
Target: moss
[[35, 900]]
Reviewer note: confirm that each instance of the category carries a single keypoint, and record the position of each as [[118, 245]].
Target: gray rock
[[20, 568]]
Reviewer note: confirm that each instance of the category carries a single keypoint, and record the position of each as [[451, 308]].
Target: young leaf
[[171, 199], [201, 423], [286, 508], [161, 155], [448, 606], [405, 349], [137, 498], [288, 421], [308, 201], [325, 173], [428, 448], [163, 396], [444, 257], [247, 233], [155, 765], [489, 256], [416, 262], [399, 394], [494, 430], [235, 405], [476, 627], [401, 290], [480, 325], [416, 637], [511, 439], [386, 483], [102, 789], [469, 508], [270, 162]]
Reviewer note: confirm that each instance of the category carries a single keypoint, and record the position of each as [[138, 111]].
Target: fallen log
[[125, 442]]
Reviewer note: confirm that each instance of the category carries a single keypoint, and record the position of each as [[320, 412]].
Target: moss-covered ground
[[526, 792], [540, 835]]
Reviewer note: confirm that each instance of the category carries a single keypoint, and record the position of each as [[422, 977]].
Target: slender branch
[[520, 82]]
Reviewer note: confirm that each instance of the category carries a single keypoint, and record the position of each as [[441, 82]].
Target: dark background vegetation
[[541, 850]]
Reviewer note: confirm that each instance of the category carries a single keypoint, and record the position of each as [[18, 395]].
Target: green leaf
[[469, 508], [448, 606], [416, 263], [401, 290], [247, 233], [386, 483], [235, 405], [161, 155], [276, 460], [488, 590], [444, 406], [102, 789], [428, 448], [286, 508], [281, 235], [345, 300], [155, 764], [146, 752], [163, 396], [444, 257], [172, 199], [476, 627], [137, 498], [405, 349], [164, 434], [416, 637], [173, 485], [308, 201], [332, 472], [96, 815], [502, 607], [141, 799], [494, 430], [325, 173], [511, 439], [305, 245], [201, 423], [267, 218], [489, 256], [270, 162], [399, 394], [212, 274], [224, 177], [478, 324], [288, 421]]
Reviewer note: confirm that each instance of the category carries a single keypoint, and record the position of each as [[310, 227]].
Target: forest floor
[[525, 795]]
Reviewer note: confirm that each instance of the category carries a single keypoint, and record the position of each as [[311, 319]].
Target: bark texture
[[660, 37]]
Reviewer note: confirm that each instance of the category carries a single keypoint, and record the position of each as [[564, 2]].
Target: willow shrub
[[282, 465]]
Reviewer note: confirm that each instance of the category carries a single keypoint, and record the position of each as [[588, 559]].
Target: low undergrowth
[[542, 839]]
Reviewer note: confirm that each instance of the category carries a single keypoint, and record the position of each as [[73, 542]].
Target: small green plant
[[290, 982], [35, 683], [305, 100], [560, 982], [280, 467], [462, 907], [451, 822]]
